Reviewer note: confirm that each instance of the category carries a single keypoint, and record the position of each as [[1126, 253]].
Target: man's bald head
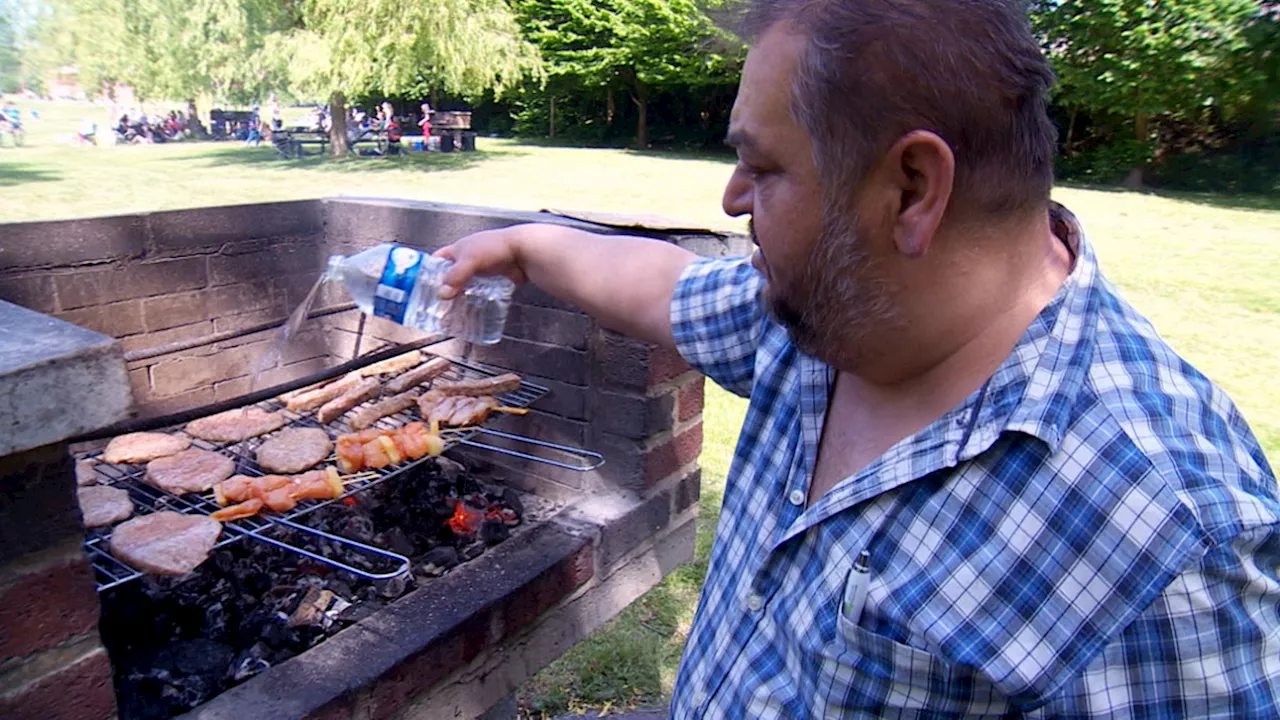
[[969, 71]]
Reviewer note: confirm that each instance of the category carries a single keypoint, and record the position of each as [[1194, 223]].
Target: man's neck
[[941, 360]]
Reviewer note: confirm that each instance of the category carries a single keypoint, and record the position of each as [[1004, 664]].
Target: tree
[[10, 62], [635, 45], [340, 47], [1142, 58]]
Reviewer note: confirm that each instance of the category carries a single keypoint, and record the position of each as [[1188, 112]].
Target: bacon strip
[[417, 376], [364, 390], [366, 416]]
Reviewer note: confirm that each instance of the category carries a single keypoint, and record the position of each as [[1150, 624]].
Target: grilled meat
[[413, 358], [294, 449], [102, 505], [366, 416], [143, 447], [332, 410], [417, 376], [235, 425], [165, 543], [315, 398], [189, 471], [485, 386]]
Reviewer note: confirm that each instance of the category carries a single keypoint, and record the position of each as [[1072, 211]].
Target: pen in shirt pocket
[[855, 587]]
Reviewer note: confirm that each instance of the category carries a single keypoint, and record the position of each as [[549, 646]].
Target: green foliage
[[10, 61], [639, 48], [392, 47], [1135, 61]]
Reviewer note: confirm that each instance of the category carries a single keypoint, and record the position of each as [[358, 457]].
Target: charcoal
[[250, 662], [450, 470], [445, 556], [359, 611], [395, 540], [511, 499], [493, 531], [392, 587], [176, 642]]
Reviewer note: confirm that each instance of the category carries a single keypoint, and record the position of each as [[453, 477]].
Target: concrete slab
[[57, 380]]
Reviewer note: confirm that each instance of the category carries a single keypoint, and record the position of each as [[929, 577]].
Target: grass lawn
[[1205, 269]]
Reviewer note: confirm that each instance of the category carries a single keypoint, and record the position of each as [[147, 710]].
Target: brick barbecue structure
[[185, 302]]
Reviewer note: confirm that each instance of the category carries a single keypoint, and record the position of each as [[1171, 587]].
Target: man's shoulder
[[1155, 408]]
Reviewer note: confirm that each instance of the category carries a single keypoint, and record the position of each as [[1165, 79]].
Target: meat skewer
[[379, 448], [364, 390], [315, 398], [460, 410], [366, 416], [279, 493], [485, 386], [418, 376]]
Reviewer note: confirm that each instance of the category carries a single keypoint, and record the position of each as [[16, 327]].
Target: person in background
[[973, 480], [277, 116], [391, 129], [425, 124], [12, 115], [88, 132]]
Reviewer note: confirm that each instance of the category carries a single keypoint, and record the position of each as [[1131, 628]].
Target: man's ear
[[921, 169]]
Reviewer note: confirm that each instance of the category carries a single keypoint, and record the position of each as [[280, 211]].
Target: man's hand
[[624, 282], [491, 252]]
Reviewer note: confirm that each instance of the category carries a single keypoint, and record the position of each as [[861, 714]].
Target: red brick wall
[[52, 665]]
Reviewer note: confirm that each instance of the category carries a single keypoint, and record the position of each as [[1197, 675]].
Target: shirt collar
[[1032, 391]]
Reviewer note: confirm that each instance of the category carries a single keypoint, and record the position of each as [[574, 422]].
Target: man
[[972, 480]]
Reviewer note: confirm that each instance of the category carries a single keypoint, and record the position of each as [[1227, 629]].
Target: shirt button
[[754, 603], [796, 497], [699, 697]]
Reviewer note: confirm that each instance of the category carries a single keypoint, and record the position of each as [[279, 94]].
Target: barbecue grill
[[111, 572]]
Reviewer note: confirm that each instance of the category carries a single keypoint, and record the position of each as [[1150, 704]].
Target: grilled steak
[[235, 425], [189, 471], [85, 474], [294, 450], [417, 376], [366, 416], [486, 386], [333, 409], [143, 447], [102, 505], [165, 543], [315, 398]]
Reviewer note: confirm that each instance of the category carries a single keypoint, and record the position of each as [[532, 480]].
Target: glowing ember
[[466, 520]]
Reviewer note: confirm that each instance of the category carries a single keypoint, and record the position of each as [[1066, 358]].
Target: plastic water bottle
[[402, 284]]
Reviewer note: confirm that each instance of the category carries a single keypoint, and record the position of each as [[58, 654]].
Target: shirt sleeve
[[717, 319], [1209, 646]]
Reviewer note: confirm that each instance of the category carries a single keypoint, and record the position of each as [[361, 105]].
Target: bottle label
[[391, 298]]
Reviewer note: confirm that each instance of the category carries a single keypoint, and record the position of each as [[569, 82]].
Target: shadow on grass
[[22, 173], [1229, 201], [266, 156]]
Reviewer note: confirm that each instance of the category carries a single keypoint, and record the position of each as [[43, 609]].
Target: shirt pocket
[[870, 673]]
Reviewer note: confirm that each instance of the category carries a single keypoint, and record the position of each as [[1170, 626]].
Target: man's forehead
[[764, 94]]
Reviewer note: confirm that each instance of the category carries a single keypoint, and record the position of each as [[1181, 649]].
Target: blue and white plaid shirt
[[1093, 533]]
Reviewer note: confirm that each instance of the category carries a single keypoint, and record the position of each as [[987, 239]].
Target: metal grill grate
[[263, 527]]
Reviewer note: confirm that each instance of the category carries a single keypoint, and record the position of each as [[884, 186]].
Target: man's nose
[[737, 194]]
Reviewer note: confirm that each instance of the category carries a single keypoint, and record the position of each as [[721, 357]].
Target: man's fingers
[[457, 276]]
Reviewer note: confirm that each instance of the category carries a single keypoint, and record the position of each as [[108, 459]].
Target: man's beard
[[831, 305]]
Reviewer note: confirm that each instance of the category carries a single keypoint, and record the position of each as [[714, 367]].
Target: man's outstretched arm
[[624, 282]]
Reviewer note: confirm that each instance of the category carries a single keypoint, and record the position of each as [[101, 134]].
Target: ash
[[177, 642]]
